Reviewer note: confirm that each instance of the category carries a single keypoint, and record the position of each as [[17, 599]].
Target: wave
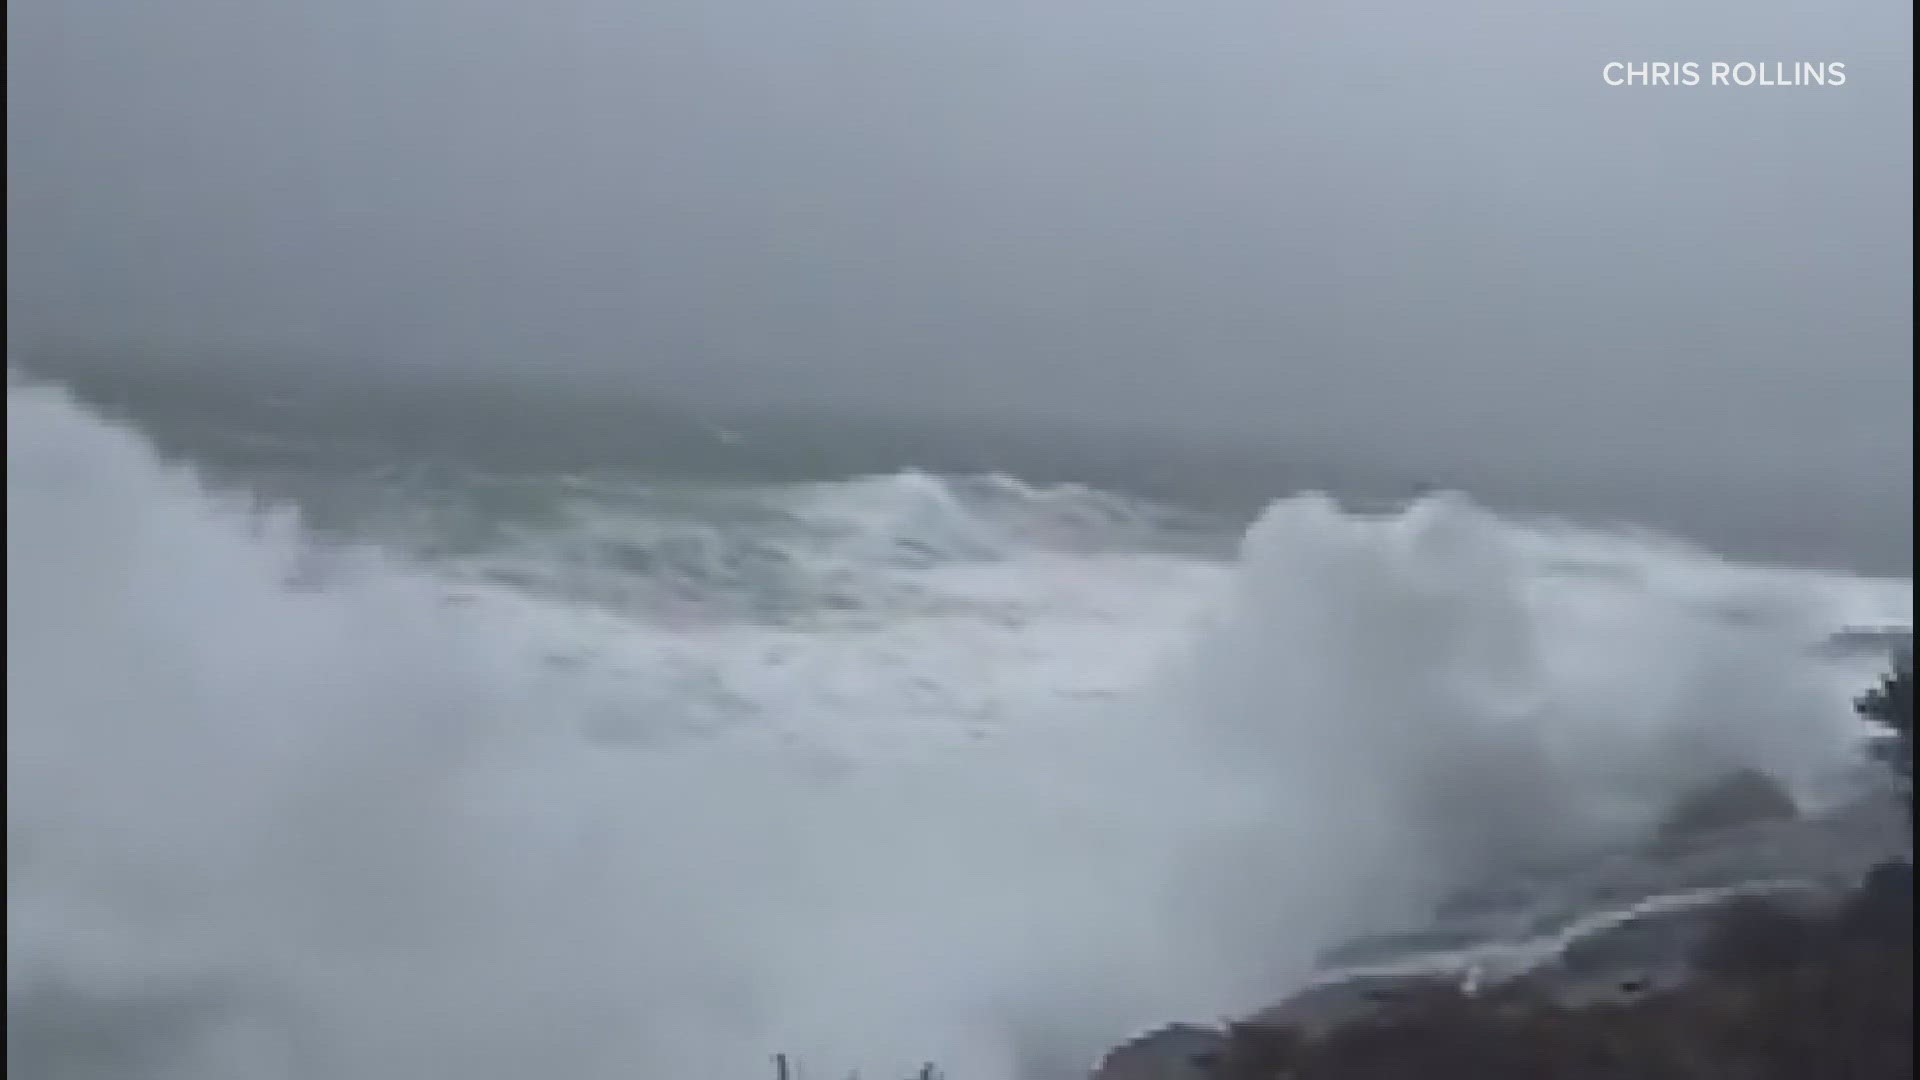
[[811, 554], [355, 831]]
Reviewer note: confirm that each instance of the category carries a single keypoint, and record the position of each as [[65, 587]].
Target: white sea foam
[[362, 831]]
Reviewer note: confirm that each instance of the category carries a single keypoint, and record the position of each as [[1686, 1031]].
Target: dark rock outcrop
[[1324, 1007], [1739, 799], [1777, 994], [1175, 1052], [1748, 942]]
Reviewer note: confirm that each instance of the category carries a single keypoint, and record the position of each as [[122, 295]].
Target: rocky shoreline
[[1744, 940], [1750, 942], [1765, 987]]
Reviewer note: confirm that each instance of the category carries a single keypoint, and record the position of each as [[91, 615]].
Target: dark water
[[266, 415]]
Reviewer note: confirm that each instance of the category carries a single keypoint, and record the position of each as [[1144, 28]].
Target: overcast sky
[[1433, 227]]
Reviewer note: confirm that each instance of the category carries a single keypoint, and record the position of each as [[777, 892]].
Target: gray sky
[[1434, 230]]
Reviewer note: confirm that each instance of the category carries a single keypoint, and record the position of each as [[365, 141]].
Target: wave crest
[[356, 805]]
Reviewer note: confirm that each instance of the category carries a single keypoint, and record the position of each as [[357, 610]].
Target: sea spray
[[356, 831]]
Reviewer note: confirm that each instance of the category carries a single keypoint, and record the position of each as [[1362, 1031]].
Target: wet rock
[[1319, 1009], [1652, 950], [1884, 904], [1737, 800], [1175, 1052]]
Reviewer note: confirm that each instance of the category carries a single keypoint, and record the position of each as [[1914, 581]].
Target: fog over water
[[603, 540], [1437, 235]]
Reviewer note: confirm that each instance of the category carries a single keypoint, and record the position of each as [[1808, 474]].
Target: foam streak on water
[[405, 820]]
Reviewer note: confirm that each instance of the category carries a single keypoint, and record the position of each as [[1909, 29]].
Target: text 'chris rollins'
[[1724, 73]]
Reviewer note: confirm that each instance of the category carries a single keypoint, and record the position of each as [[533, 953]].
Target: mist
[[357, 832], [1435, 235], [332, 758]]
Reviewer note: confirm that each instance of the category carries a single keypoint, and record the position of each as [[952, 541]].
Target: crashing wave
[[369, 806]]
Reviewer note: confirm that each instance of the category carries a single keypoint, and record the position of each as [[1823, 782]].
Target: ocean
[[421, 726]]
